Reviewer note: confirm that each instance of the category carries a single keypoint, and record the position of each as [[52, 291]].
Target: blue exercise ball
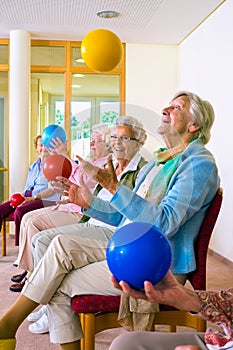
[[138, 252], [50, 132]]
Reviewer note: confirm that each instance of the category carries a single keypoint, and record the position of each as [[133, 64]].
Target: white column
[[19, 100]]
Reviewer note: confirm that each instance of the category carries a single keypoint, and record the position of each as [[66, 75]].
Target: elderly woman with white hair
[[126, 138], [62, 213], [177, 197]]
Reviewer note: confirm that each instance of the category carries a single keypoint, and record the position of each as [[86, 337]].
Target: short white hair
[[201, 112], [138, 129], [103, 130]]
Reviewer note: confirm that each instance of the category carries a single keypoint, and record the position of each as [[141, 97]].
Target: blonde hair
[[35, 140]]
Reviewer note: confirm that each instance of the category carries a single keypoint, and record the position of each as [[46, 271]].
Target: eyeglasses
[[122, 138]]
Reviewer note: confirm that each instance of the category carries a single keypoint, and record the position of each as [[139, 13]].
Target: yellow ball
[[101, 50]]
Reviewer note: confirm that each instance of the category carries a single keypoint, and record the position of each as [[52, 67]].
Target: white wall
[[203, 63], [206, 67], [149, 88], [151, 74]]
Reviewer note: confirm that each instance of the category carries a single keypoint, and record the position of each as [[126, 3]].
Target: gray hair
[[201, 112], [137, 127], [103, 130]]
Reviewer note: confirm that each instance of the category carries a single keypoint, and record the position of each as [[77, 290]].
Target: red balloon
[[16, 199], [57, 165]]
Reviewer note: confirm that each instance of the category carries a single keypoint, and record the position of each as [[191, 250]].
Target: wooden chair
[[99, 312], [8, 219]]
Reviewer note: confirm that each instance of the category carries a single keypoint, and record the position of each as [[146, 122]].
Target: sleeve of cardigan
[[185, 195], [103, 211]]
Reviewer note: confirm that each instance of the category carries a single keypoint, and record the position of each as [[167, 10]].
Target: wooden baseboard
[[221, 258]]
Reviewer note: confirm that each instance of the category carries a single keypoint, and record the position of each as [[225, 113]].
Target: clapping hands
[[79, 195], [105, 177]]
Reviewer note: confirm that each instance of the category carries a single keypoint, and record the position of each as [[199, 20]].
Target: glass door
[[66, 92]]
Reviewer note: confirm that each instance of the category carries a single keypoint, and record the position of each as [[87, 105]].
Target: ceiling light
[[75, 86], [78, 75], [108, 14], [80, 60]]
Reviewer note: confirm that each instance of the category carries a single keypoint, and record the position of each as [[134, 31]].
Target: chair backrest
[[197, 278]]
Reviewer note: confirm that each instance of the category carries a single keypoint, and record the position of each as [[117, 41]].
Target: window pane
[[47, 89], [3, 54], [80, 128], [76, 58], [109, 112], [95, 99], [59, 112], [48, 56]]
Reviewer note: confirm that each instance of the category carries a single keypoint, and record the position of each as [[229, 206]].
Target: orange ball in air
[[101, 50]]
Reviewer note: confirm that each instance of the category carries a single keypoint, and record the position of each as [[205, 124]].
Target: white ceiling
[[140, 21]]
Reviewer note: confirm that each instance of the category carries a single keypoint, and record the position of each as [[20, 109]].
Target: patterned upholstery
[[95, 303], [103, 303]]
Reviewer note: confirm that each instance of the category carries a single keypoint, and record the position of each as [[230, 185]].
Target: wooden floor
[[219, 276], [219, 272]]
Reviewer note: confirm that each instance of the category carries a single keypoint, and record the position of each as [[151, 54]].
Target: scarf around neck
[[169, 161]]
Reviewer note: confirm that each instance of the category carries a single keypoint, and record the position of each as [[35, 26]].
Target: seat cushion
[[10, 217], [95, 303]]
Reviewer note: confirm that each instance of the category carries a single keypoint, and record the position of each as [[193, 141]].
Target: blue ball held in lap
[[138, 252], [51, 132]]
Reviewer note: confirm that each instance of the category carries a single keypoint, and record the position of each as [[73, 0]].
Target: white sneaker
[[35, 316], [16, 263], [41, 326]]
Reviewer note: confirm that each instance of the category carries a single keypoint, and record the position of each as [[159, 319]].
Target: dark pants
[[6, 209]]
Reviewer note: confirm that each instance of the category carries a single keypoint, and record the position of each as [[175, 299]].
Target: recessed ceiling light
[[78, 75], [108, 14], [80, 60], [75, 86]]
